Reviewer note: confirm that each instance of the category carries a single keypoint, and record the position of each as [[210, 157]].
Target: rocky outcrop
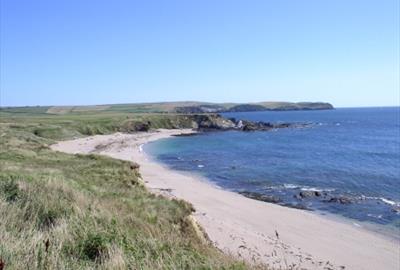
[[209, 122], [340, 199], [309, 194], [261, 197], [273, 199], [324, 197], [202, 122], [213, 122]]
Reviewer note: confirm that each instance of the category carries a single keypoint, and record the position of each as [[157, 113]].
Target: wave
[[389, 201], [300, 187], [317, 189], [290, 186], [375, 216], [382, 199]]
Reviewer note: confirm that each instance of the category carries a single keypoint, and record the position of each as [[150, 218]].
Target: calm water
[[346, 152]]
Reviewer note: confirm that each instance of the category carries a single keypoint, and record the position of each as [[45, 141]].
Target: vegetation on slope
[[173, 107], [61, 211]]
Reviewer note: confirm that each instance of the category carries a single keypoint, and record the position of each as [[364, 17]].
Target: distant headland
[[185, 107], [252, 107]]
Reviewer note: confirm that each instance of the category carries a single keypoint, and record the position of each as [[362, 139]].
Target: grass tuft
[[9, 189]]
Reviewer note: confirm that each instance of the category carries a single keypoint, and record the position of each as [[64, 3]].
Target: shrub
[[93, 246], [9, 189]]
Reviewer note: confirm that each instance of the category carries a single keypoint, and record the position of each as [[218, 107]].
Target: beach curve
[[256, 231]]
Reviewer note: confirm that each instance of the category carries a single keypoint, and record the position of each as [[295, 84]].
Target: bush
[[9, 189], [93, 246]]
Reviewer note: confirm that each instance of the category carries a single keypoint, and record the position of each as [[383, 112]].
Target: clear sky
[[99, 51]]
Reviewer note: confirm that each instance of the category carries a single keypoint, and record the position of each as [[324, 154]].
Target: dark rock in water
[[265, 126], [283, 125], [261, 197], [396, 209], [216, 122], [308, 194], [341, 200], [253, 126]]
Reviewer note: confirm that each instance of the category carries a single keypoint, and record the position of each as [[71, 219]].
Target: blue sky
[[98, 52]]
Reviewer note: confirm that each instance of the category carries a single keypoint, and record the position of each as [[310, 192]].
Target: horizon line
[[188, 101]]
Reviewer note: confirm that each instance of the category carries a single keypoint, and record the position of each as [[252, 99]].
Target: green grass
[[62, 211], [160, 107]]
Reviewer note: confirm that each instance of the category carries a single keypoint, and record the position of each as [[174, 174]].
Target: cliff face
[[215, 122], [212, 122], [247, 108], [201, 122]]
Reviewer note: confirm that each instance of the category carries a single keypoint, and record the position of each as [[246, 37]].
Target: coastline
[[253, 230]]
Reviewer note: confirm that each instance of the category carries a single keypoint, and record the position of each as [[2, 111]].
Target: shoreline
[[389, 233], [256, 231]]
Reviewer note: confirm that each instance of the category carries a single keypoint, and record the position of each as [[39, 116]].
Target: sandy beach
[[256, 231]]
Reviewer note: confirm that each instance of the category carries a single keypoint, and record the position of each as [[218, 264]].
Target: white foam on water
[[290, 186], [382, 199], [375, 216], [317, 189], [388, 201]]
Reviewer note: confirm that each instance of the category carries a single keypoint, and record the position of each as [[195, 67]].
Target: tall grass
[[61, 211]]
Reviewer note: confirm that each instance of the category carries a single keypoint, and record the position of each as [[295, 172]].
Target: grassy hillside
[[61, 211]]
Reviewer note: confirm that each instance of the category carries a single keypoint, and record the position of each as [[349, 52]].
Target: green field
[[169, 107], [62, 211]]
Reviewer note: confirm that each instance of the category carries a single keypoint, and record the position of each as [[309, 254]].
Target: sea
[[345, 162]]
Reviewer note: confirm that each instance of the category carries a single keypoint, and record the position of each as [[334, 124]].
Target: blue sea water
[[352, 152]]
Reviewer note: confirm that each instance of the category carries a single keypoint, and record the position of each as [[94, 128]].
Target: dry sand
[[277, 236]]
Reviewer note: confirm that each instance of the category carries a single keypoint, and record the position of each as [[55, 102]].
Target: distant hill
[[185, 107], [204, 107]]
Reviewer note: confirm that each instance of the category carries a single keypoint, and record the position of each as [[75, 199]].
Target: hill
[[64, 211], [172, 107]]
